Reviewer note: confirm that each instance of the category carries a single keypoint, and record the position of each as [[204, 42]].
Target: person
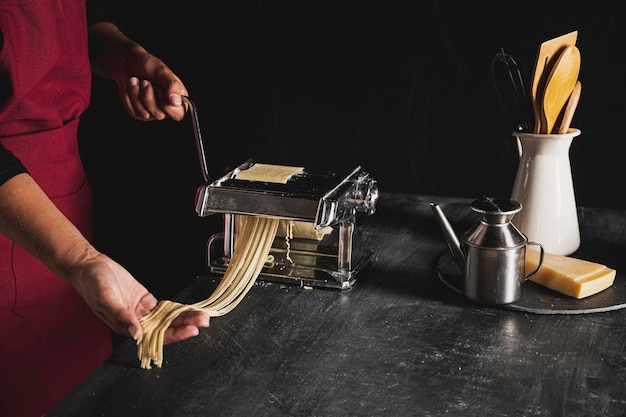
[[60, 297]]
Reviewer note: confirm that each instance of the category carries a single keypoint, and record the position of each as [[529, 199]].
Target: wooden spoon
[[572, 103], [559, 86], [546, 57]]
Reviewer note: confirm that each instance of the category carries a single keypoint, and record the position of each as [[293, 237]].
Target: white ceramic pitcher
[[544, 187]]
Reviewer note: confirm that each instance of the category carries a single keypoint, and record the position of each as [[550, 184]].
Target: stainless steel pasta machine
[[327, 254]]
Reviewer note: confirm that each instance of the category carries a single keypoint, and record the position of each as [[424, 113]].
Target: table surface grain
[[400, 343]]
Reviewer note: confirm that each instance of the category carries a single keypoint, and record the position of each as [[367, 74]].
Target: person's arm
[[148, 88], [31, 220]]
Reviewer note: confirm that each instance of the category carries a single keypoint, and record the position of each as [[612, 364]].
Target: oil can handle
[[540, 263], [199, 143]]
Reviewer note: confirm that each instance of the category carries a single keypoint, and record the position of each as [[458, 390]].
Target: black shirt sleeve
[[96, 14], [10, 166]]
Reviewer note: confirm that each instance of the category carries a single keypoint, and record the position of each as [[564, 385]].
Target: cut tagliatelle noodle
[[255, 235]]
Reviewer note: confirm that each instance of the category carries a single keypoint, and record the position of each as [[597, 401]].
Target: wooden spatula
[[570, 109], [546, 57], [559, 86]]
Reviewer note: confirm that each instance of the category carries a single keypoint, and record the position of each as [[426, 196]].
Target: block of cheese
[[570, 276]]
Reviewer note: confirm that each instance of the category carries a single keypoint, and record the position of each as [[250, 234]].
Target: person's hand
[[147, 87], [34, 222], [120, 300]]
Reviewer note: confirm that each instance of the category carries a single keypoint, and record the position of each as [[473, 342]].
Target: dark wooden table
[[400, 343]]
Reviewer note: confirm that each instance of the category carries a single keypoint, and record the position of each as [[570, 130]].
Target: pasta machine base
[[317, 268]]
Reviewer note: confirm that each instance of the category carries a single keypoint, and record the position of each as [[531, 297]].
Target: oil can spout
[[451, 238]]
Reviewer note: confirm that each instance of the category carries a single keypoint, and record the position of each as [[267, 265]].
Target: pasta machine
[[320, 207]]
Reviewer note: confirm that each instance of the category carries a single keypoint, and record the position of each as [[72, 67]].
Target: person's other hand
[[120, 300]]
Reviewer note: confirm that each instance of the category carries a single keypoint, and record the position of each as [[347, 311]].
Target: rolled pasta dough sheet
[[269, 173]]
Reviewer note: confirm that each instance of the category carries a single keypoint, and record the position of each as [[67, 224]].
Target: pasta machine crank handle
[[199, 142]]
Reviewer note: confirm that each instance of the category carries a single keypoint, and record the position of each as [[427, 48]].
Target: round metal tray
[[542, 300]]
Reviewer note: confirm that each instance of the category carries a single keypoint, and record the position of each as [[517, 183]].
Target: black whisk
[[508, 79]]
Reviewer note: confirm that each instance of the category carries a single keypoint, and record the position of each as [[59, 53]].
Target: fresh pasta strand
[[253, 269], [255, 235], [249, 233], [252, 263]]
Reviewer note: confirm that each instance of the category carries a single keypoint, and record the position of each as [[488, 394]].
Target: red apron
[[49, 339]]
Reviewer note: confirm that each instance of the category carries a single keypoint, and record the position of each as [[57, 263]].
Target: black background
[[400, 88]]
